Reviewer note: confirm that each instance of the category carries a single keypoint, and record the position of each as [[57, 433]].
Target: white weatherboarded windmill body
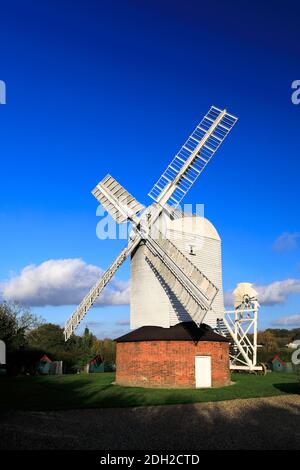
[[199, 242], [176, 272]]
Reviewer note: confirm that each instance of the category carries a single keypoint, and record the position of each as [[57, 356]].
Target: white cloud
[[61, 282], [123, 322], [271, 294], [286, 242], [292, 320], [278, 291], [66, 281], [92, 324], [228, 298]]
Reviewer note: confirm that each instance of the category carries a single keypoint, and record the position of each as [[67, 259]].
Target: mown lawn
[[96, 391]]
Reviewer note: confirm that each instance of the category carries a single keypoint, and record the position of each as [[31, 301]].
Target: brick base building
[[179, 356]]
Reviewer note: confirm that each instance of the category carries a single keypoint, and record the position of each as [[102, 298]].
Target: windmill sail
[[118, 202], [193, 157], [89, 300], [192, 288], [245, 295], [196, 311]]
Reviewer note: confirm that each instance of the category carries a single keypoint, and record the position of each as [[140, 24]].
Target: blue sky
[[96, 87]]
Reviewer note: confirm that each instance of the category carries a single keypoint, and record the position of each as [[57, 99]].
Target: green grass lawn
[[96, 391]]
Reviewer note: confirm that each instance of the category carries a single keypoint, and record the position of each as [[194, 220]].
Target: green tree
[[87, 340], [76, 352], [84, 350], [106, 348], [268, 340], [48, 337], [16, 322]]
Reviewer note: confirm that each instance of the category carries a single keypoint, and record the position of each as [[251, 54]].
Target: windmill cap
[[195, 225]]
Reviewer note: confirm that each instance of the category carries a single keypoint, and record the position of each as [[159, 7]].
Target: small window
[[192, 250]]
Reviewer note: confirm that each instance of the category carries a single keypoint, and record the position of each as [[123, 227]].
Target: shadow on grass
[[97, 391], [46, 393], [292, 388]]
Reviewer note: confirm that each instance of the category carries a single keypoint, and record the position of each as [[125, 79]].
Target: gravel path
[[256, 423]]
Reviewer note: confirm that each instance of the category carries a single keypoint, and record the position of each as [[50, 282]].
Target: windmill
[[241, 325], [192, 288]]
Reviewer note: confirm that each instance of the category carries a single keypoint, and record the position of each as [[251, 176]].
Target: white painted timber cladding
[[150, 303]]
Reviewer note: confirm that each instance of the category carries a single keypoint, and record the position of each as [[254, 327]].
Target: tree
[[48, 337], [8, 324], [268, 340], [87, 339], [27, 337], [83, 350], [106, 348], [15, 323]]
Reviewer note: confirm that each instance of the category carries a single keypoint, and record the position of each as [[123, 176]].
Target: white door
[[203, 371]]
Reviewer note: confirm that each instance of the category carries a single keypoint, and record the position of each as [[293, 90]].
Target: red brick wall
[[169, 363]]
